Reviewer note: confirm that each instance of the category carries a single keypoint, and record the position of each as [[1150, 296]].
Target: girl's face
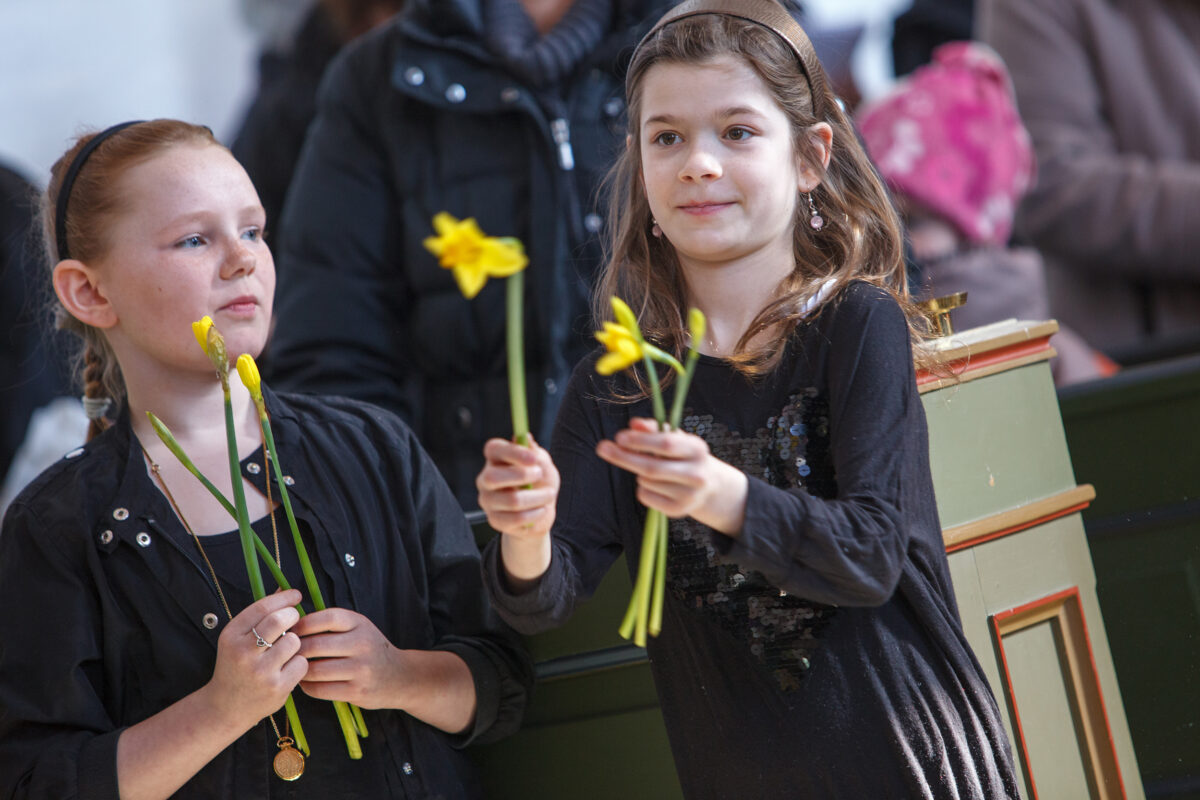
[[189, 242], [718, 164]]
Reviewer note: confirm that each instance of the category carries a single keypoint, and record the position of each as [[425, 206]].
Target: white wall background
[[70, 65]]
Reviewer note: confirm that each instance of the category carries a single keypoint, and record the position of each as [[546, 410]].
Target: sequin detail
[[780, 630]]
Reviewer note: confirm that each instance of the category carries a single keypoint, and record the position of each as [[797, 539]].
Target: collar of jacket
[[137, 505], [446, 27]]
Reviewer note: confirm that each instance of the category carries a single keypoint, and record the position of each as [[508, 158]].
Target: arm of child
[[518, 489], [157, 756], [351, 660], [461, 670], [847, 550], [57, 738]]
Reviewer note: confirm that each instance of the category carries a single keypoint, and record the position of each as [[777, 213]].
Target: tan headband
[[767, 13]]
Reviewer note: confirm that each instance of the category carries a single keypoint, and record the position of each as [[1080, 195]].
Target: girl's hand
[[349, 659], [249, 682], [678, 475], [518, 488]]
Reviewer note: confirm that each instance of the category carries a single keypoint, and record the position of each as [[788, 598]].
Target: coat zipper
[[560, 129]]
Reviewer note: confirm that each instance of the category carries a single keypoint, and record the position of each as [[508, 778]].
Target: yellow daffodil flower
[[462, 247], [200, 330], [624, 314], [624, 350], [248, 372], [213, 344]]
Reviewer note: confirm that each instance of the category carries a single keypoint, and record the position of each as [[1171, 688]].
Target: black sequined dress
[[818, 654]]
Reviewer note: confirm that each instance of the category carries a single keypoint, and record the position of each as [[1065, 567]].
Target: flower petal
[[470, 279]]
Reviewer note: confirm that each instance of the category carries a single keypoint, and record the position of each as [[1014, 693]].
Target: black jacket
[[420, 117], [110, 615]]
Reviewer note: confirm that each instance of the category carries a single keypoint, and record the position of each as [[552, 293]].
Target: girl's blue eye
[[666, 138], [253, 234], [191, 241]]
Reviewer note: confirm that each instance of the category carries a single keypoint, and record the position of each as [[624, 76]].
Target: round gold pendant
[[289, 762]]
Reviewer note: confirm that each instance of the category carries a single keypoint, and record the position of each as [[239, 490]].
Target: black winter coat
[[420, 117]]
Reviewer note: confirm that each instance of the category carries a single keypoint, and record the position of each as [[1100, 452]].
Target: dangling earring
[[654, 229], [815, 219]]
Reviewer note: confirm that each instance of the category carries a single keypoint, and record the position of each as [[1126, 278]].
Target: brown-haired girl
[[133, 660], [810, 642]]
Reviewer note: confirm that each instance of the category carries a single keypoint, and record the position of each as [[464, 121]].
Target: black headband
[[64, 191], [767, 13]]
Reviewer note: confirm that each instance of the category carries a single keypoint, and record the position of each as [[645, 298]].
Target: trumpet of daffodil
[[463, 248], [248, 372], [623, 349]]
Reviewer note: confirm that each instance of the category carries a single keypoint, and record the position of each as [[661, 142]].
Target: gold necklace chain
[[217, 584]]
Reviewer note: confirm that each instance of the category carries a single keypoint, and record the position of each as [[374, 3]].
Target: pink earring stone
[[817, 222]]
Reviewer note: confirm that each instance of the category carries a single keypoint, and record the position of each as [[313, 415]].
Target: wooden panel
[[996, 444], [1017, 519], [1075, 663]]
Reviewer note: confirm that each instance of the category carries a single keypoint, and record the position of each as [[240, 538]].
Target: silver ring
[[259, 640]]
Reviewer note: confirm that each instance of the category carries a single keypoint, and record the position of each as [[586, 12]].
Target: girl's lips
[[243, 306], [703, 209]]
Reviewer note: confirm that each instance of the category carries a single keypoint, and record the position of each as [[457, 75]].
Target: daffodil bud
[[248, 372], [625, 317], [200, 330], [216, 352], [696, 327]]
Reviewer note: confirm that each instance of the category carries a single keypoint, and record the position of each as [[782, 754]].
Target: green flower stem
[[310, 579], [359, 722], [350, 731], [681, 389], [660, 577], [662, 357], [247, 537], [239, 502], [168, 438], [515, 323], [297, 728], [637, 615], [627, 623]]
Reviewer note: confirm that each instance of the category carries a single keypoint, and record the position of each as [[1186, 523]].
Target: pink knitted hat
[[949, 137]]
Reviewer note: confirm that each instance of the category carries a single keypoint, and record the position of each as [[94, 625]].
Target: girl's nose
[[701, 164], [241, 260]]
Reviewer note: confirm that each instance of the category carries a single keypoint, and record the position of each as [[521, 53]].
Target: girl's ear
[[77, 289], [820, 138]]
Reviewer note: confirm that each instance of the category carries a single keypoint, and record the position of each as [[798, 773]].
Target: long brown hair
[[94, 202], [861, 239]]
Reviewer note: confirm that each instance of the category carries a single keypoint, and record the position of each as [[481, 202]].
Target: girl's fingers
[[274, 625], [665, 444], [518, 499], [494, 478], [648, 465], [502, 451]]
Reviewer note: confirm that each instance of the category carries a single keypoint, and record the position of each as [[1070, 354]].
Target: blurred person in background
[[926, 25], [1110, 92], [508, 111], [38, 421], [290, 69], [950, 144]]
